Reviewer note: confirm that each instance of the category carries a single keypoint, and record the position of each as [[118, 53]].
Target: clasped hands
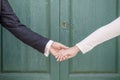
[[62, 52]]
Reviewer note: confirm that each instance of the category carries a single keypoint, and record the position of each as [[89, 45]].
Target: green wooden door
[[19, 61], [83, 17], [67, 21]]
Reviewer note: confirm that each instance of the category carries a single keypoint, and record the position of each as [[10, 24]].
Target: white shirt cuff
[[47, 48]]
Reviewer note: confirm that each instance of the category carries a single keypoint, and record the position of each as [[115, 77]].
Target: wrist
[[51, 47], [53, 44], [76, 49]]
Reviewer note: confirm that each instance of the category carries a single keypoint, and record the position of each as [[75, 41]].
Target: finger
[[58, 58], [61, 45], [61, 59], [64, 58], [69, 57], [57, 55]]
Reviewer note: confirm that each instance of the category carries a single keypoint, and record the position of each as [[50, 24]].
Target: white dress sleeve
[[99, 36]]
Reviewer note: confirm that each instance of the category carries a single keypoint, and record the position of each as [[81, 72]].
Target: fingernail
[[57, 59]]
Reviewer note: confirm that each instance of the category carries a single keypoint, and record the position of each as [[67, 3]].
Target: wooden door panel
[[46, 17], [16, 53], [54, 35], [24, 76], [95, 77], [102, 62], [21, 62], [95, 14]]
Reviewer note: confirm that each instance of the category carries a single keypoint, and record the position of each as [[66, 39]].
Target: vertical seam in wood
[[117, 39], [1, 50]]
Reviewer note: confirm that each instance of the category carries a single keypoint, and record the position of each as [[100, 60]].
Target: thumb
[[60, 46], [64, 47]]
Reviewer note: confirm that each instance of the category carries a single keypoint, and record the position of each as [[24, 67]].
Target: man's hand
[[56, 47], [67, 53]]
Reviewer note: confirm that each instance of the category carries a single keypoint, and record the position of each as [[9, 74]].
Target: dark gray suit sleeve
[[11, 22]]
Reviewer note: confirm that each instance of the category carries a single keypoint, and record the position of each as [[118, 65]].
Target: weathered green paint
[[20, 58], [86, 17], [46, 17], [64, 30], [18, 51], [95, 14], [54, 35]]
